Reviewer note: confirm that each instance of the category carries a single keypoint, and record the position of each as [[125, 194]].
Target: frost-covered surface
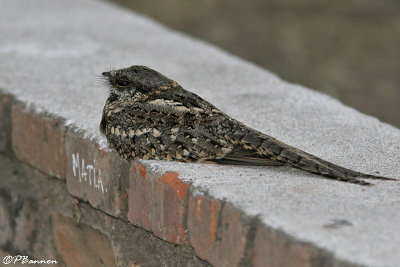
[[52, 53]]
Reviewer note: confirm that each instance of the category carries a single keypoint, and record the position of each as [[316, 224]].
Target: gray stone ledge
[[53, 54]]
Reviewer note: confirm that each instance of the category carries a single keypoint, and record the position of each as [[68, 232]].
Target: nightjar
[[149, 116]]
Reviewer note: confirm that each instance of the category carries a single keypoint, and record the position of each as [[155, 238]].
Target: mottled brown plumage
[[149, 116]]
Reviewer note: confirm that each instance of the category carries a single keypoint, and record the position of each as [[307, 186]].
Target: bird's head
[[137, 80]]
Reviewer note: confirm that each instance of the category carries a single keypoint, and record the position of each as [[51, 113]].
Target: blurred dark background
[[347, 49]]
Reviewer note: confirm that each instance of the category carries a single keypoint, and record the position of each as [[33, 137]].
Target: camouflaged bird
[[149, 116]]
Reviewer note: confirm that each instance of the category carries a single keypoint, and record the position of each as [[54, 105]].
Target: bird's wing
[[241, 156]]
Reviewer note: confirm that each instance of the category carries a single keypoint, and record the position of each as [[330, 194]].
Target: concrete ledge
[[50, 109]]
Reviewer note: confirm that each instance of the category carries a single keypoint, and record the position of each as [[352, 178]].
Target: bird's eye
[[123, 83]]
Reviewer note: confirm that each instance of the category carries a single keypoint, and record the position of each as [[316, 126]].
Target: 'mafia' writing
[[87, 173]]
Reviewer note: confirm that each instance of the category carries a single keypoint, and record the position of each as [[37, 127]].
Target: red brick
[[158, 204], [39, 140], [81, 245], [172, 180], [97, 176], [275, 249], [202, 225], [5, 123], [217, 231]]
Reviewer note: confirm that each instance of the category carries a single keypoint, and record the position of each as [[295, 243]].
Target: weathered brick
[[96, 175], [81, 245], [6, 220], [42, 196], [25, 225], [17, 221], [202, 224], [4, 254], [275, 249], [24, 221], [39, 140], [158, 204], [218, 231], [5, 123]]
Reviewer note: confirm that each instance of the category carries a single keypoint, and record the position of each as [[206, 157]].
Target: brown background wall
[[348, 49]]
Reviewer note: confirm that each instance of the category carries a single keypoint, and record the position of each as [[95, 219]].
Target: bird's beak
[[106, 73], [103, 125]]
